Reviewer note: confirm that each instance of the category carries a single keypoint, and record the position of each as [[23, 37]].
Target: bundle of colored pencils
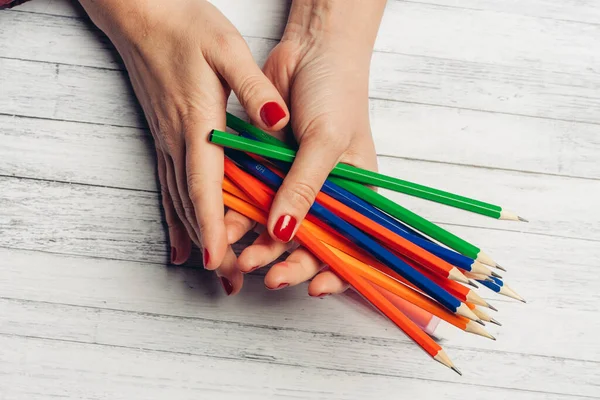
[[404, 265]]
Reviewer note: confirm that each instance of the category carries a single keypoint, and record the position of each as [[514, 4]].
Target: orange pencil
[[389, 238], [361, 285], [373, 275]]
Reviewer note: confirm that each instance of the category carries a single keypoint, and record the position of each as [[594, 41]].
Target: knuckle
[[301, 194], [250, 86]]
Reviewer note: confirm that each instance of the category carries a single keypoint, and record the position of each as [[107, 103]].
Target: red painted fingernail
[[271, 113], [284, 228], [206, 257], [227, 286], [173, 254]]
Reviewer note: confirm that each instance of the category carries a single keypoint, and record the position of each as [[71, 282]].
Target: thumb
[[256, 93], [316, 157]]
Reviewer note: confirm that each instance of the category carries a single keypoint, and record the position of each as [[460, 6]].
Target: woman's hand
[[321, 68], [183, 56]]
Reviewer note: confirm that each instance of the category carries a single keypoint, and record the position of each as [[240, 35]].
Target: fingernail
[[271, 113], [252, 270], [227, 286], [281, 286], [206, 257], [320, 295], [284, 228], [173, 254]]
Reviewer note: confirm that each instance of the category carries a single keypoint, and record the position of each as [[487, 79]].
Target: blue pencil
[[357, 204], [498, 286], [361, 239]]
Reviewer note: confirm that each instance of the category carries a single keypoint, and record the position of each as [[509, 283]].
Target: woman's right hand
[[183, 57]]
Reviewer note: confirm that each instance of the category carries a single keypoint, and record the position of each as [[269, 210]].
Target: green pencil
[[387, 182], [287, 155]]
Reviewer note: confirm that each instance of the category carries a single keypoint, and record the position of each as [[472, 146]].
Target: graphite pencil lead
[[472, 283], [491, 307], [495, 275], [443, 358], [493, 321], [456, 370], [480, 322], [500, 267], [523, 219]]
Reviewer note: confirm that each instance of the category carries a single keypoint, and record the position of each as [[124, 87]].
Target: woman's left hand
[[323, 76]]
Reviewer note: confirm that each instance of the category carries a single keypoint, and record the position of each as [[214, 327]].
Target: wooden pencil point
[[458, 276], [509, 216], [480, 322], [472, 327], [472, 283], [495, 275], [483, 258], [474, 298], [491, 307], [501, 268], [466, 312], [523, 219], [443, 358], [493, 321]]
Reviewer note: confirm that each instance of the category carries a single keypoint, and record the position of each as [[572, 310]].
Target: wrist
[[117, 19], [348, 23]]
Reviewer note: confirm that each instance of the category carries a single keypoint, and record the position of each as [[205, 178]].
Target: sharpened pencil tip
[[493, 321], [456, 370], [471, 283], [500, 267], [480, 322], [523, 219], [491, 307], [495, 275]]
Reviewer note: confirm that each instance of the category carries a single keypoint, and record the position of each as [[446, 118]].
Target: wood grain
[[179, 292], [96, 371], [309, 349], [493, 99]]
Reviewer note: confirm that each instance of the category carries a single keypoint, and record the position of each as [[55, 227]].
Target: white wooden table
[[492, 98]]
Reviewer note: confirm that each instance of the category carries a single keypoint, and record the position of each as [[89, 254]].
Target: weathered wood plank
[[309, 350], [193, 293], [471, 31], [81, 371], [473, 84]]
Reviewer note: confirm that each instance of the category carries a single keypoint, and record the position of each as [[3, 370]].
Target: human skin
[[184, 57], [321, 68]]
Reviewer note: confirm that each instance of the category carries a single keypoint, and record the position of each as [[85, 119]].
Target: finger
[[231, 278], [262, 252], [237, 226], [204, 166], [316, 157], [326, 283], [299, 267], [181, 245], [176, 199], [256, 93]]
